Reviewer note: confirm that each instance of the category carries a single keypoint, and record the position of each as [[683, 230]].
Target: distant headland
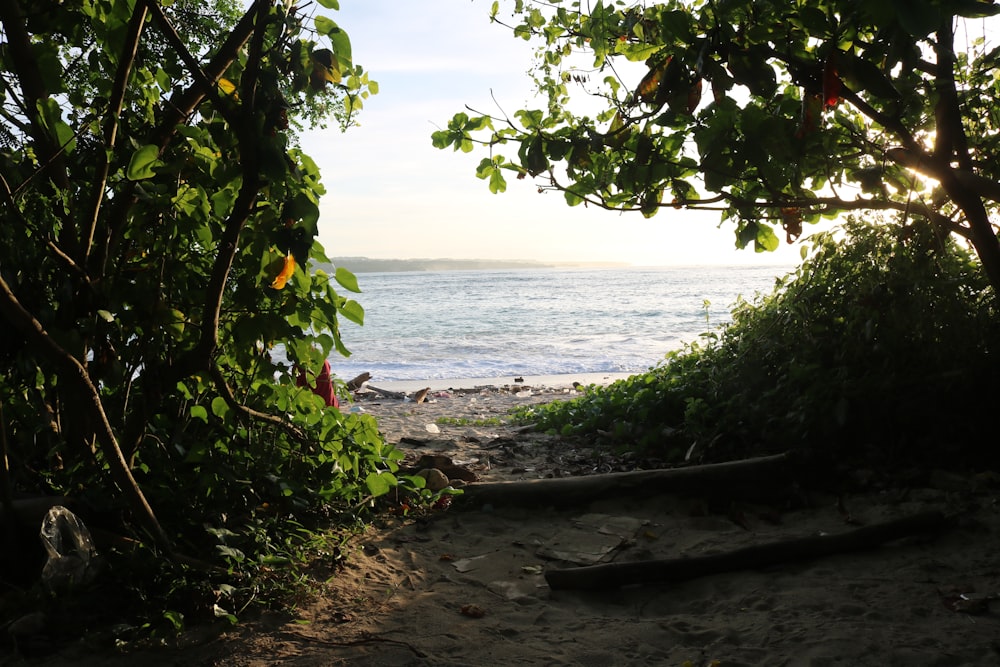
[[370, 265]]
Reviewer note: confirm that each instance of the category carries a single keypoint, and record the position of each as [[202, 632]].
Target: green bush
[[882, 346]]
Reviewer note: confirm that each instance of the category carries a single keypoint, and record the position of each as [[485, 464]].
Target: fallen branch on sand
[[385, 392], [613, 575], [766, 476]]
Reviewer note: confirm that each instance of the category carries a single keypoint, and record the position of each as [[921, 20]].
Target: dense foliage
[[882, 349], [774, 113], [157, 286]]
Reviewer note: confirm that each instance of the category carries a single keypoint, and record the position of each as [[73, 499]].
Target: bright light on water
[[481, 324]]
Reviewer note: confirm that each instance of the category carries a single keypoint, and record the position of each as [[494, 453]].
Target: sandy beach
[[467, 585]]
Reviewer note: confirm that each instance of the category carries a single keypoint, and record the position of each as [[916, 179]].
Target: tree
[[157, 231], [773, 113]]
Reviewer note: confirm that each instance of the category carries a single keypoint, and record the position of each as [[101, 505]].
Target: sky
[[391, 194]]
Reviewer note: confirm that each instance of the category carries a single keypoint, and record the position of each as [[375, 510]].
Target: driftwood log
[[762, 477], [614, 575], [355, 384], [386, 392]]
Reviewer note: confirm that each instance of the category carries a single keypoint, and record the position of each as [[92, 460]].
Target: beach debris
[[432, 428], [519, 379], [966, 602], [71, 556], [442, 503], [472, 611], [593, 538], [468, 564], [359, 381], [386, 392]]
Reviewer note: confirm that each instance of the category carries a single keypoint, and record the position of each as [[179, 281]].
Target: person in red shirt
[[324, 385]]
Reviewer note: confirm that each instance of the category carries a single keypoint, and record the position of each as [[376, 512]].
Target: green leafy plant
[[158, 287], [775, 114], [881, 347]]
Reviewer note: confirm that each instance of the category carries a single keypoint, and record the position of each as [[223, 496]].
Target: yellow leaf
[[325, 68], [228, 87], [650, 84], [286, 272]]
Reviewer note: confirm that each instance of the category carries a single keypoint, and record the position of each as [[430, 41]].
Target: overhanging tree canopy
[[773, 112]]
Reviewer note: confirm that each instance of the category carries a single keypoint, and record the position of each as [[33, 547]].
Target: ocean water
[[492, 324]]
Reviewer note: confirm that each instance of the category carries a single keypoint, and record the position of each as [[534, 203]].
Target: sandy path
[[466, 587]]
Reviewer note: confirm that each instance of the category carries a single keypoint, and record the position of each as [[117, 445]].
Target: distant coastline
[[371, 265]]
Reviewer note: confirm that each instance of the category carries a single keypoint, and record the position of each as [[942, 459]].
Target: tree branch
[[243, 207], [950, 140], [177, 110], [227, 395], [938, 169], [817, 205], [116, 103]]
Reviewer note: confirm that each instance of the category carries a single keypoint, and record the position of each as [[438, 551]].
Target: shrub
[[882, 345]]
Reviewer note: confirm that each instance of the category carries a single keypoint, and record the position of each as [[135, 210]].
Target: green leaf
[[381, 483], [331, 4], [765, 240], [51, 115], [304, 210], [230, 552], [199, 412], [219, 407], [531, 119], [535, 160], [50, 67], [338, 39], [325, 25], [347, 280], [441, 139], [861, 74], [750, 68], [143, 162], [175, 618], [353, 311], [497, 182]]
